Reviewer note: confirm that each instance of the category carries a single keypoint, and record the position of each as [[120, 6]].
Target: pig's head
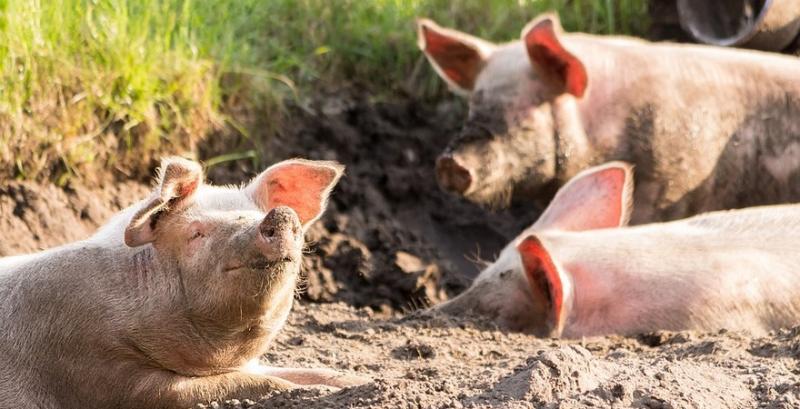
[[527, 288], [229, 256], [515, 91]]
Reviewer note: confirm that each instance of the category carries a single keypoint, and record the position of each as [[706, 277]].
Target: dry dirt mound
[[437, 363]]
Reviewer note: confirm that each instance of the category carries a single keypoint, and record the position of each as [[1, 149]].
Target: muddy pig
[[578, 272], [170, 303], [707, 128]]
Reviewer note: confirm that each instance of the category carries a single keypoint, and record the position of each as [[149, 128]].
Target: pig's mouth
[[260, 264]]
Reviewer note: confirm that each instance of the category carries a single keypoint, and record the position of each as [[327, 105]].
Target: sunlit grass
[[88, 85]]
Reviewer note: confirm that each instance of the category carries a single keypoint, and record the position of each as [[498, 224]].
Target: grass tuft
[[87, 85]]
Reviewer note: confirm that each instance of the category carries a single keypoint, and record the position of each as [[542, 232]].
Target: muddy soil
[[442, 363], [390, 238], [392, 242]]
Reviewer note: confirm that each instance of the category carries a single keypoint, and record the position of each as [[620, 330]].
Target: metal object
[[768, 25]]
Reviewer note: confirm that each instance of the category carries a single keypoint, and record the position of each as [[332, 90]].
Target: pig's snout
[[452, 175], [279, 234]]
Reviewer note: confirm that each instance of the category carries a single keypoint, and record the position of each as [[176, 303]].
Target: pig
[[171, 302], [579, 271], [707, 128]]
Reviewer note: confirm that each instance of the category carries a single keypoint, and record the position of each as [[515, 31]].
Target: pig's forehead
[[508, 260], [223, 198], [508, 64]]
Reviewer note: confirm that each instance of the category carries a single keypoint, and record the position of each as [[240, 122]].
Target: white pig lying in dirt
[[708, 128], [169, 304], [577, 272]]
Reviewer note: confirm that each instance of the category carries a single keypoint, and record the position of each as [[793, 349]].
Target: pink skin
[[689, 117], [578, 271]]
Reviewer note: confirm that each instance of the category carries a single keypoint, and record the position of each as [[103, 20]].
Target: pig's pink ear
[[457, 57], [597, 198], [178, 180], [550, 58], [547, 282], [303, 185]]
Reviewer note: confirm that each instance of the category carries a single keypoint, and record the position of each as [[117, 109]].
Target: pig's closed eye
[[197, 230]]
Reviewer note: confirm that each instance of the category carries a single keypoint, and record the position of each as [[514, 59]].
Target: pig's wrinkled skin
[[169, 304], [574, 273], [707, 128]]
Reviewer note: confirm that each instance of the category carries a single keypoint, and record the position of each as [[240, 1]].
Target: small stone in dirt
[[619, 354], [296, 341], [408, 263], [653, 402], [414, 351], [618, 391], [233, 404], [654, 339]]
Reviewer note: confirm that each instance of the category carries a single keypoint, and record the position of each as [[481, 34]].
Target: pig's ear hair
[[178, 180], [547, 282], [549, 57], [303, 185], [597, 198], [457, 57]]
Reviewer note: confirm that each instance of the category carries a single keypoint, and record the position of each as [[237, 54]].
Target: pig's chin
[[491, 195], [498, 194], [263, 266]]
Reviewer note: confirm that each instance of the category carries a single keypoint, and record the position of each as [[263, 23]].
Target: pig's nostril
[[452, 175], [270, 232]]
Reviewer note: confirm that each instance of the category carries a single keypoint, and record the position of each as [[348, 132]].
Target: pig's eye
[[198, 230]]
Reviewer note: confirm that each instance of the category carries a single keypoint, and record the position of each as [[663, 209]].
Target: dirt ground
[[392, 243]]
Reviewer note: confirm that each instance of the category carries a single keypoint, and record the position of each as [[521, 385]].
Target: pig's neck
[[149, 289], [574, 150], [583, 136], [589, 130]]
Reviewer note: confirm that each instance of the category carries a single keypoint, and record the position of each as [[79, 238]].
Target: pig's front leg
[[317, 376], [307, 376], [183, 392]]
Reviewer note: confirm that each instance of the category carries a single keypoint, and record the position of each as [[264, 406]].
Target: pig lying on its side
[[169, 304], [707, 128], [576, 272]]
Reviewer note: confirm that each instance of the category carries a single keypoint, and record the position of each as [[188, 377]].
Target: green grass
[[87, 85]]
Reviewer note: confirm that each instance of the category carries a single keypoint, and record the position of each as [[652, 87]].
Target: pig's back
[[763, 221], [707, 128], [737, 270], [673, 57]]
